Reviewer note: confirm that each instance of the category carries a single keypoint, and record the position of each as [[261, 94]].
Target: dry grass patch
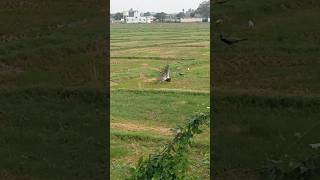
[[135, 127]]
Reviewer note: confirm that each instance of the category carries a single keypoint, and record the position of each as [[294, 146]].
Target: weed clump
[[171, 162]]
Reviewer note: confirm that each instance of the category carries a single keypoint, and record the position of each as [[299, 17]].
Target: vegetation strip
[[138, 136], [150, 58]]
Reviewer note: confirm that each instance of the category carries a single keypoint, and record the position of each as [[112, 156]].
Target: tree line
[[203, 11]]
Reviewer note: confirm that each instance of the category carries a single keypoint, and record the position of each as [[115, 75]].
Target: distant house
[[149, 19], [171, 18], [132, 16], [111, 20], [205, 19], [190, 20]]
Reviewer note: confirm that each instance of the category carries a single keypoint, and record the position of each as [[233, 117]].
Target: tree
[[118, 16], [188, 13], [180, 15], [160, 16], [204, 9], [147, 14], [131, 12]]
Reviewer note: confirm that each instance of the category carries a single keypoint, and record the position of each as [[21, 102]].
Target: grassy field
[[52, 116], [267, 89], [142, 109]]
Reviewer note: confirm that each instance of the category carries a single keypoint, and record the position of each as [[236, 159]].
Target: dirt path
[[138, 127]]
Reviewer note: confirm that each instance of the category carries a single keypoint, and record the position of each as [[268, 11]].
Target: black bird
[[219, 1], [231, 40], [165, 74]]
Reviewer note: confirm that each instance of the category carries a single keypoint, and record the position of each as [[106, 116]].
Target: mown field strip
[[142, 110], [150, 58], [150, 34], [152, 41], [164, 90], [167, 38], [152, 45], [262, 94], [176, 43]]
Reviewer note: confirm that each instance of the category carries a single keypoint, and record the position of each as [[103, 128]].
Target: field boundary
[[164, 90]]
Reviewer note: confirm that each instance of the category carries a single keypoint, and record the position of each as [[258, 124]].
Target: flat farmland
[[143, 110], [266, 93], [52, 114]]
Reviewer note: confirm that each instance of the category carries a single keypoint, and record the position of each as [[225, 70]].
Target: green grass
[[143, 106], [60, 139], [52, 116], [266, 88]]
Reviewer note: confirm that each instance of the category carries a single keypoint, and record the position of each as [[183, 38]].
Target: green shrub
[[171, 162]]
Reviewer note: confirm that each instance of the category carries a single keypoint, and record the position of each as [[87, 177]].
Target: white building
[[149, 19], [135, 17], [190, 20]]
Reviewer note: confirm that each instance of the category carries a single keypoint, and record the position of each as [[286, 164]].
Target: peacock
[[231, 40], [165, 74]]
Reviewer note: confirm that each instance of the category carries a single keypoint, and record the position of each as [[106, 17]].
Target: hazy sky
[[167, 6]]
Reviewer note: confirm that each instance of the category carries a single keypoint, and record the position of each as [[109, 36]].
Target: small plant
[[171, 162]]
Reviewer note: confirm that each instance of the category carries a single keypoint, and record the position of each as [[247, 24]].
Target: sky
[[167, 6]]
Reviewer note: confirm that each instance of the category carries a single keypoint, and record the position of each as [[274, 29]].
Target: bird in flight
[[231, 40], [165, 74]]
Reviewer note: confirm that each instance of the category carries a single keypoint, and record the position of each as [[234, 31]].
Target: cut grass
[[138, 53], [265, 89], [52, 115], [54, 141]]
